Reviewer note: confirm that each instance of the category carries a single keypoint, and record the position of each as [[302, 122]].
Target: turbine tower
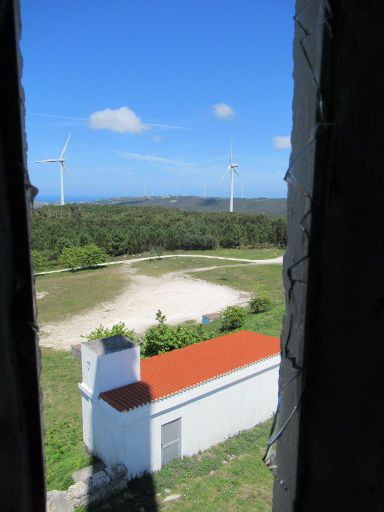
[[63, 168], [232, 169]]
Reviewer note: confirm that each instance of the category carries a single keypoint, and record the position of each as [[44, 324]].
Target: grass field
[[71, 293], [262, 279], [251, 278], [241, 252], [253, 254], [158, 267], [228, 477], [63, 438], [75, 292]]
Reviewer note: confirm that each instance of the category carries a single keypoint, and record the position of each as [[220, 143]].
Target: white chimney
[[108, 364]]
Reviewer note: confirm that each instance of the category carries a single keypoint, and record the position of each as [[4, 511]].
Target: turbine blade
[[65, 147], [231, 150], [50, 160], [234, 170], [69, 172], [224, 175]]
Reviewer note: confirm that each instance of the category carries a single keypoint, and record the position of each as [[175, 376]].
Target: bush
[[39, 261], [164, 338], [103, 332], [92, 255], [71, 257], [82, 256], [260, 304], [233, 318]]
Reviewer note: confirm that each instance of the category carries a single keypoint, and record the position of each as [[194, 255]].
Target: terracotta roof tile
[[190, 366]]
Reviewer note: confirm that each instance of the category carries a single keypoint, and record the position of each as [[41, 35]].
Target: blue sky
[[153, 91]]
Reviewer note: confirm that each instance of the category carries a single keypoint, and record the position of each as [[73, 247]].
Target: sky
[[154, 91]]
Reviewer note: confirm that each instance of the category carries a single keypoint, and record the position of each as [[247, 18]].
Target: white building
[[144, 413]]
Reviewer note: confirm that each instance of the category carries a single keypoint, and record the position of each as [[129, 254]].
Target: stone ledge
[[94, 488], [57, 502]]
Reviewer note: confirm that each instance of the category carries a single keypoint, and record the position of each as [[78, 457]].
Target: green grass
[[63, 438], [157, 267], [261, 279], [229, 476], [264, 323], [74, 292], [251, 278], [71, 293], [253, 254]]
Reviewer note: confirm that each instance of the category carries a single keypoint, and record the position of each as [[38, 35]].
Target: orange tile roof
[[175, 371]]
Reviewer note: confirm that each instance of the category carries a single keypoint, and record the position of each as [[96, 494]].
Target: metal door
[[170, 441]]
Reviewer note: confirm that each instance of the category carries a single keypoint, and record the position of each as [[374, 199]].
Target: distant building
[[210, 317], [145, 413]]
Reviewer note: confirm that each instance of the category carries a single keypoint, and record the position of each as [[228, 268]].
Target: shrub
[[82, 256], [260, 304], [92, 255], [39, 261], [159, 251], [163, 338], [233, 318], [71, 257], [103, 332]]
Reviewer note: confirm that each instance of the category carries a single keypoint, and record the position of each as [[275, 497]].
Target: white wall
[[209, 414], [109, 371]]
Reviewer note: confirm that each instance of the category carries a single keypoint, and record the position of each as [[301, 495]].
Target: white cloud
[[157, 138], [282, 142], [223, 111], [120, 120], [151, 158]]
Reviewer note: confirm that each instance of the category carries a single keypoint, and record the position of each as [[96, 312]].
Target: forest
[[122, 230]]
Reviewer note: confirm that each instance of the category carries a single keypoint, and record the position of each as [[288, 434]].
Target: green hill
[[275, 207]]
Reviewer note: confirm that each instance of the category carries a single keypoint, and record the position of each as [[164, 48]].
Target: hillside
[[128, 229], [275, 207]]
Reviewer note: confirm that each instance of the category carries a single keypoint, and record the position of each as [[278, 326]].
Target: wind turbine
[[63, 167], [232, 169]]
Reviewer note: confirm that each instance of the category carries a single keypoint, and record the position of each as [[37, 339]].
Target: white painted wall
[[102, 372], [209, 414]]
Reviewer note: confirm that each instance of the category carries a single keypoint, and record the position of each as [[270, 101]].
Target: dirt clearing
[[178, 296]]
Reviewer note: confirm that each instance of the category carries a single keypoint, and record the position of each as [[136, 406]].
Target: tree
[[280, 232], [117, 243], [82, 256], [233, 318], [71, 257], [159, 250], [39, 261], [104, 332], [91, 255], [260, 304], [233, 236]]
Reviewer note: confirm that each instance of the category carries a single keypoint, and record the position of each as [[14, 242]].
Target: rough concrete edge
[[94, 488]]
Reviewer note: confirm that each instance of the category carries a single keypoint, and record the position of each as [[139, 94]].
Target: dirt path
[[178, 296], [272, 261]]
